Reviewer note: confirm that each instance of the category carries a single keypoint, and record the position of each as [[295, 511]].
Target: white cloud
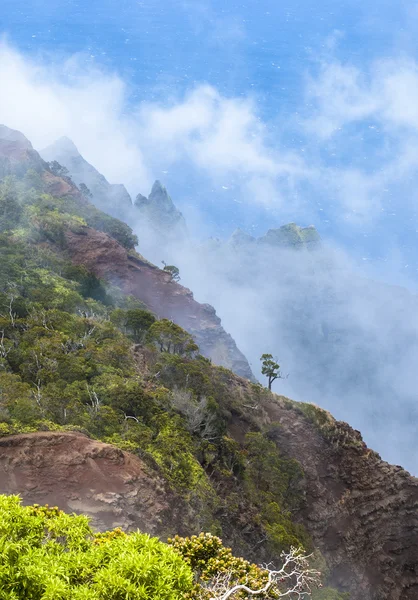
[[224, 140], [338, 95], [346, 108], [385, 92], [220, 136], [76, 100]]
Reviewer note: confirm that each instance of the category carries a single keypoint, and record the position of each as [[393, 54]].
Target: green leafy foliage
[[270, 368], [208, 557], [46, 554], [171, 338], [136, 322], [173, 271], [272, 483]]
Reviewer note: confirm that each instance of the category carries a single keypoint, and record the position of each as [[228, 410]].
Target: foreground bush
[[49, 555]]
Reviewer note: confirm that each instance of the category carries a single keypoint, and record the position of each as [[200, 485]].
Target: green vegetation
[[67, 361], [208, 557], [77, 354], [43, 217], [171, 338], [46, 554], [293, 236]]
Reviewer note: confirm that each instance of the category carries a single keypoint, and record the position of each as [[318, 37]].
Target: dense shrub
[[49, 555]]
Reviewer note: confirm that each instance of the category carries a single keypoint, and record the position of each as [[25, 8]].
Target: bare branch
[[131, 417], [94, 400], [294, 580], [4, 350]]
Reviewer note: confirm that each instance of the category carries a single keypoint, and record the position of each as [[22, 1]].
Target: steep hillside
[[156, 289], [347, 341], [360, 511], [111, 198], [108, 407], [107, 255]]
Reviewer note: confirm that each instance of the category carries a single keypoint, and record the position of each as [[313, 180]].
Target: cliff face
[[84, 476], [136, 276], [361, 511]]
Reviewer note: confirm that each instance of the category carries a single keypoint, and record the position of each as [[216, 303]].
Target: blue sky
[[312, 103]]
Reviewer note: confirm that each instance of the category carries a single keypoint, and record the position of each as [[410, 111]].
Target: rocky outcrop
[[361, 512], [69, 470], [159, 213], [166, 298], [17, 154]]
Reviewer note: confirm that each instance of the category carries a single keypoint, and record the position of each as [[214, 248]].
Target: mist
[[347, 341]]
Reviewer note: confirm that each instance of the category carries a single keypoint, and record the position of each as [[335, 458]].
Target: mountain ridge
[[84, 363]]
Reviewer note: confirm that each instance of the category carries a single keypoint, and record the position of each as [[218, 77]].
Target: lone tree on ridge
[[270, 368]]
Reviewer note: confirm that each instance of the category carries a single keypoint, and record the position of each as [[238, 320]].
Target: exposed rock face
[[361, 511], [111, 198], [17, 157], [159, 213], [17, 154], [82, 475], [136, 276]]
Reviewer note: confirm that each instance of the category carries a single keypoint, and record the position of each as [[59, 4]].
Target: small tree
[[171, 338], [174, 271], [134, 321], [270, 368]]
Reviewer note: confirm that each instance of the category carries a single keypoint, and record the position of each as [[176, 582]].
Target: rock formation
[[158, 216]]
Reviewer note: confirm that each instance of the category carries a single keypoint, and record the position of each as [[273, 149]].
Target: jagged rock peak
[[64, 145], [160, 195], [159, 211], [12, 135]]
